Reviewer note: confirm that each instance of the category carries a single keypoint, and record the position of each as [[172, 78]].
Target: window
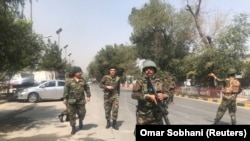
[[61, 83], [50, 84]]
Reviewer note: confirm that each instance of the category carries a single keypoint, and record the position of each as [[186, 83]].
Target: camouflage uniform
[[75, 93], [228, 100], [111, 98], [171, 91], [148, 113]]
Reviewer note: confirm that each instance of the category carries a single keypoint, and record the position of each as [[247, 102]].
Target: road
[[39, 121]]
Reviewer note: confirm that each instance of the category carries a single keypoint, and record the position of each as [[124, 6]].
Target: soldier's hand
[[65, 101], [109, 87], [160, 96], [87, 99], [211, 74], [152, 98]]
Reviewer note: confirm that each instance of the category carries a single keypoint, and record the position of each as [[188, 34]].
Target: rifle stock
[[161, 104]]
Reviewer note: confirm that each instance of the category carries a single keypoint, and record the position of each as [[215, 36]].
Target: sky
[[89, 25]]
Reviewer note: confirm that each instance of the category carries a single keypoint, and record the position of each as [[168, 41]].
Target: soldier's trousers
[[151, 118], [171, 97], [111, 107], [74, 109], [229, 104]]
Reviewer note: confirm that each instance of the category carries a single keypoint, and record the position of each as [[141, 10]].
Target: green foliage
[[120, 56], [51, 60], [20, 48], [161, 34], [166, 37]]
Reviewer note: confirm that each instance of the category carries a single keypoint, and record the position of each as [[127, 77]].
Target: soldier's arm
[[137, 92], [102, 83], [66, 90], [118, 86], [215, 77], [87, 89]]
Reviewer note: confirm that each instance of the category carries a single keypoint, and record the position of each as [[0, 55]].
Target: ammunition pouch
[[72, 101]]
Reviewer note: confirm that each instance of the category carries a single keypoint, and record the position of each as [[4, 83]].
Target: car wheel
[[33, 97]]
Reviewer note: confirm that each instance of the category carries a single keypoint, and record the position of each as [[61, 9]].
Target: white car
[[44, 90], [246, 92]]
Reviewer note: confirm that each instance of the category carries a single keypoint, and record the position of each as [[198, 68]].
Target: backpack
[[235, 85]]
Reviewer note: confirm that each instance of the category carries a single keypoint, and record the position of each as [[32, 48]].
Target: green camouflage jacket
[[107, 80], [140, 89], [75, 92]]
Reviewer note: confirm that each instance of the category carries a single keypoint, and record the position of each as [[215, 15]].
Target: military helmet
[[147, 64], [75, 69], [231, 71]]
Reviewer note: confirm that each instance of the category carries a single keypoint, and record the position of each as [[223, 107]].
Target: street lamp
[[47, 36], [65, 47], [69, 57], [58, 33]]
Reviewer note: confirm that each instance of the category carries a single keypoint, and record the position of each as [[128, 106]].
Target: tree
[[228, 50], [20, 48], [120, 56], [51, 59], [162, 34]]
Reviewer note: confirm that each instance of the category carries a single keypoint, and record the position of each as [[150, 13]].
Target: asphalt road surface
[[22, 121]]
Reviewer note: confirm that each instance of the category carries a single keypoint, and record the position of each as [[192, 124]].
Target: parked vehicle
[[21, 80], [44, 90]]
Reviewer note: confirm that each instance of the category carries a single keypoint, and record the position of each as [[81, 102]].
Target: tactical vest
[[232, 86]]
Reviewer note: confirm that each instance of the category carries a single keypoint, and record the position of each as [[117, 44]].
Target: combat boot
[[67, 117], [108, 124], [73, 131], [114, 125], [233, 120], [60, 117], [80, 124], [216, 121]]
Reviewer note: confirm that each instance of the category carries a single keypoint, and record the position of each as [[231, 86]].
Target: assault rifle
[[161, 104]]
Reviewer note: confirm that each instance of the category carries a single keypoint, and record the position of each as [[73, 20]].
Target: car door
[[60, 89], [48, 90]]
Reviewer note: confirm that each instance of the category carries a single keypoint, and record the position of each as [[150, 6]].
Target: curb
[[241, 104]]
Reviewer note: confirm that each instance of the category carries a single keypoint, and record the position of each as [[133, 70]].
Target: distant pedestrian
[[231, 88], [76, 95], [171, 90], [110, 84]]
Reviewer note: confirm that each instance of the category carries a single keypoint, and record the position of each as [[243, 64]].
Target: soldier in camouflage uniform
[[76, 94], [171, 90], [147, 112], [111, 86], [229, 97]]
